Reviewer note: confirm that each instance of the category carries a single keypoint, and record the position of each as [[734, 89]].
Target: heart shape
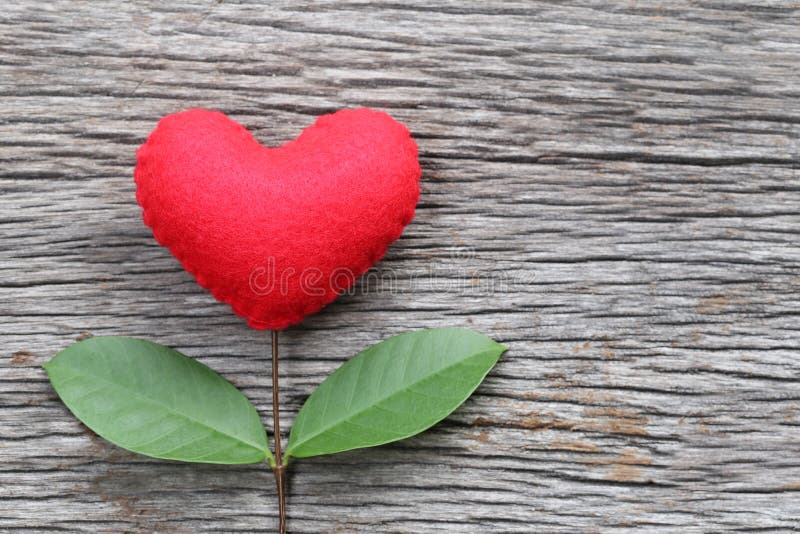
[[277, 233]]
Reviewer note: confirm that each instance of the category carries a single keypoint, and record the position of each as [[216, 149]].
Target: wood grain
[[611, 189]]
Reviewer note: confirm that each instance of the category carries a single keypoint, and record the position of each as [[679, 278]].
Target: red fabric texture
[[277, 233]]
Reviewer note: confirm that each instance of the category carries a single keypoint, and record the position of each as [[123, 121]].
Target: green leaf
[[153, 400], [393, 390]]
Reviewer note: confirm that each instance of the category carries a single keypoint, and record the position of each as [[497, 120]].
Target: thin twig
[[279, 470]]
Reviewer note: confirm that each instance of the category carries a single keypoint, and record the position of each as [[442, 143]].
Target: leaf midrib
[[388, 397], [157, 403]]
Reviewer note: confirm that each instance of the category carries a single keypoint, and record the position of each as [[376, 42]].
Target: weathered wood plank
[[611, 190]]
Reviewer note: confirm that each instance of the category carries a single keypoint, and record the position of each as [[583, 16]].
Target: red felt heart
[[277, 233]]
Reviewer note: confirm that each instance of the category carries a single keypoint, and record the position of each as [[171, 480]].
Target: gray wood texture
[[611, 189]]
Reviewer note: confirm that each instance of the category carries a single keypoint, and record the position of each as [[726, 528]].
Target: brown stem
[[279, 470]]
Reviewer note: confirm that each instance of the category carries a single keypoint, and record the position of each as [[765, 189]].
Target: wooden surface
[[611, 189]]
